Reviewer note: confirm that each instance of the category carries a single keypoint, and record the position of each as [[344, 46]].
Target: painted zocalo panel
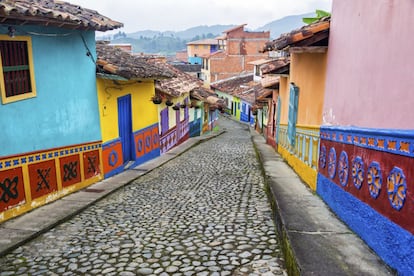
[[365, 176]]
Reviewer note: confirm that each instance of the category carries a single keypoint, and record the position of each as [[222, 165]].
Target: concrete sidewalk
[[314, 240], [26, 227]]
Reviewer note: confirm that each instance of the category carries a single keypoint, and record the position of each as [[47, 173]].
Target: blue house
[[51, 139]]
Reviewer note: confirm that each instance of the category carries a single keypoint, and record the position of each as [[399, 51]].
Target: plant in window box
[[156, 99], [168, 102]]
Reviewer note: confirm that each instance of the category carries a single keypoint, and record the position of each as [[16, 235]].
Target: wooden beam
[[309, 49]]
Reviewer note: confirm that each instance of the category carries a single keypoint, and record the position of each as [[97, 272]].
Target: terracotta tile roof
[[178, 85], [207, 95], [115, 61], [242, 87], [54, 13], [276, 66], [309, 35]]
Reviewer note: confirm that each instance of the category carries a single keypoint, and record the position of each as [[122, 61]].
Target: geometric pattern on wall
[[42, 178], [70, 170], [332, 163], [358, 172], [322, 157], [374, 179], [397, 188], [91, 164], [11, 189], [343, 168]]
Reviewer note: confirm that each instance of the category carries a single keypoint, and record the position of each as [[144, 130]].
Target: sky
[[179, 15]]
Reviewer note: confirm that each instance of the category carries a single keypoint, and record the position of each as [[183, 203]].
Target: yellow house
[[301, 95], [128, 117]]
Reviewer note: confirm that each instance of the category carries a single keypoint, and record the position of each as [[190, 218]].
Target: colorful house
[[173, 106], [240, 94], [301, 96], [197, 49], [206, 107], [367, 138], [268, 72], [51, 139], [128, 118]]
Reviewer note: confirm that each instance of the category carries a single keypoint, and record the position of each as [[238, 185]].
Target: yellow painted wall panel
[[308, 71], [144, 112]]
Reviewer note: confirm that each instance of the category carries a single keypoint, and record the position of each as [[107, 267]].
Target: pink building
[[366, 164]]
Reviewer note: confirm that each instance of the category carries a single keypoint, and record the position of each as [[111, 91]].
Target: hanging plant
[[168, 102], [156, 99]]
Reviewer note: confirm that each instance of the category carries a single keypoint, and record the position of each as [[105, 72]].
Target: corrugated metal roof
[[54, 13]]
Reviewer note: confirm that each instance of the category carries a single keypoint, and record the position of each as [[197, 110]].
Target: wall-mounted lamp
[[12, 31]]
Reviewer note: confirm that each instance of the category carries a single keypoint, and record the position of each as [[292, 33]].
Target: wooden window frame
[[10, 99]]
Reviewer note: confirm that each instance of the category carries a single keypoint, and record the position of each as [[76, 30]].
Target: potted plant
[[168, 102], [156, 99]]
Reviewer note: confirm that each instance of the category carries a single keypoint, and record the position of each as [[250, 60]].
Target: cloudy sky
[[178, 15]]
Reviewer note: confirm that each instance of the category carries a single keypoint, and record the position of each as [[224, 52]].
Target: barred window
[[17, 76]]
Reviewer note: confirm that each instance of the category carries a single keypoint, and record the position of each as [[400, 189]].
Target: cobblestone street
[[203, 213]]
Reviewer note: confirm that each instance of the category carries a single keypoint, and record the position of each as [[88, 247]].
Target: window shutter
[[293, 113]]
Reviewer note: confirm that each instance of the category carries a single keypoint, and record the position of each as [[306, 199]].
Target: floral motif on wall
[[322, 157], [397, 188], [343, 168], [374, 179], [358, 172], [332, 163]]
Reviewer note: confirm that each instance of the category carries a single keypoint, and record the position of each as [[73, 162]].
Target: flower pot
[[156, 100]]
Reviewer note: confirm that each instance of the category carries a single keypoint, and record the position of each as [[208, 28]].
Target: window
[[257, 71], [16, 71]]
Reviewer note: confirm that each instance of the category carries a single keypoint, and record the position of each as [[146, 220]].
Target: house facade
[[128, 118], [197, 49], [366, 152], [51, 142], [237, 49], [301, 96]]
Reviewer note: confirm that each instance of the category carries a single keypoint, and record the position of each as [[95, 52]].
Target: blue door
[[125, 127]]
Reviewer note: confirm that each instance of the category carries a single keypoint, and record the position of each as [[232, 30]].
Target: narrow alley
[[203, 213]]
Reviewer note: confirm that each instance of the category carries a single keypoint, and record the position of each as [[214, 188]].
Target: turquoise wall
[[65, 110]]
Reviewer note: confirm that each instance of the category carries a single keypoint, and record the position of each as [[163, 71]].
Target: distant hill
[[169, 42], [284, 25]]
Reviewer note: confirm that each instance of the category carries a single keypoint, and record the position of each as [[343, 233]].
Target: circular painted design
[[397, 188], [148, 141], [322, 157], [155, 139], [113, 158], [332, 163], [343, 168], [358, 172], [139, 145], [374, 179]]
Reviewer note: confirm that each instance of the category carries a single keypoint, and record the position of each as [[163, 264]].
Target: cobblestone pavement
[[204, 213]]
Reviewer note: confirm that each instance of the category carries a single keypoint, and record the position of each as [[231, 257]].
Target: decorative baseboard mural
[[366, 176], [146, 147], [33, 179]]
